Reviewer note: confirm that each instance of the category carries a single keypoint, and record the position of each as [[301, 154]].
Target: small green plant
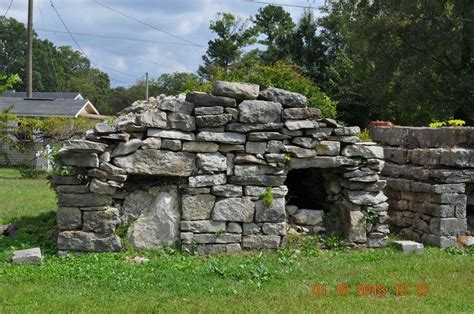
[[110, 121], [267, 196], [287, 157], [371, 218], [364, 136], [334, 242], [452, 122], [437, 124], [456, 122], [218, 233]]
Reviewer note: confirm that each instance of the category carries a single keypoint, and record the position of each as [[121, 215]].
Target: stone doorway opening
[[470, 207]]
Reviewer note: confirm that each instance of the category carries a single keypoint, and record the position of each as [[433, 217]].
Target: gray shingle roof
[[43, 107], [52, 95]]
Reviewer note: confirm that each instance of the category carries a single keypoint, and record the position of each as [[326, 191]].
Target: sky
[[185, 26]]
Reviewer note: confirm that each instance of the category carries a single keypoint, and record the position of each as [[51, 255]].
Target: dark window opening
[[306, 189]]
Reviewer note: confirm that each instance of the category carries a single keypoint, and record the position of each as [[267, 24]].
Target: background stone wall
[[208, 173], [430, 180]]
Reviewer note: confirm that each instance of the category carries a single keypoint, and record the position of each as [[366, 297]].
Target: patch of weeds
[[267, 196], [218, 233], [308, 244], [30, 172], [334, 242], [364, 136], [452, 250], [370, 219]]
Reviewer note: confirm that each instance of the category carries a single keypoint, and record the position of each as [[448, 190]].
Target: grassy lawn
[[283, 281]]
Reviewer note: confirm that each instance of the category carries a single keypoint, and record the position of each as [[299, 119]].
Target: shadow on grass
[[33, 231]]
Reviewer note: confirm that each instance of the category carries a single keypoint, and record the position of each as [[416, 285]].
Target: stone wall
[[430, 180], [193, 172]]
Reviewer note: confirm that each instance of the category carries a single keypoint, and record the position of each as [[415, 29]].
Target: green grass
[[263, 282]]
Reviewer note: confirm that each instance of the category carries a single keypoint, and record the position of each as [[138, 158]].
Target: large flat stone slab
[[27, 256]]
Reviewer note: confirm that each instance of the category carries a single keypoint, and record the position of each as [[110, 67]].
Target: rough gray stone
[[258, 111], [173, 145], [202, 226], [176, 105], [202, 111], [365, 198], [152, 143], [225, 137], [306, 142], [233, 112], [300, 124], [88, 242], [319, 133], [154, 162], [234, 209], [111, 169], [301, 114], [83, 146], [300, 152], [211, 162], [308, 217], [158, 224], [170, 134], [249, 159], [250, 228], [227, 148], [270, 213], [205, 238], [409, 246], [127, 148], [261, 180], [239, 91], [79, 160], [83, 200], [321, 162], [213, 120], [355, 227], [275, 147], [234, 227], [353, 130], [346, 139], [102, 128], [245, 128], [69, 218], [200, 147], [181, 121], [274, 228], [72, 189], [265, 136], [255, 147], [153, 118], [206, 100], [328, 148], [363, 151], [99, 187], [207, 180], [27, 256], [284, 97], [255, 241], [279, 191], [227, 190], [103, 222], [250, 170], [197, 207]]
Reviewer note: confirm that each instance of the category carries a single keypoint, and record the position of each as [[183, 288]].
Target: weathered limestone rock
[[174, 145], [306, 142], [365, 198], [225, 138], [73, 189], [321, 162], [173, 135], [328, 148], [152, 143], [261, 180], [103, 128], [301, 114], [245, 128], [363, 151], [274, 228], [203, 111], [211, 162], [355, 227], [286, 98], [259, 111], [155, 162], [158, 224], [203, 226], [353, 130], [181, 121], [255, 241], [409, 246], [83, 200], [265, 136], [153, 118], [308, 217], [103, 222], [255, 147], [300, 124], [234, 209], [69, 218], [197, 207], [83, 146], [234, 227], [270, 213], [279, 191], [239, 91], [200, 147], [205, 238], [176, 105], [300, 152], [27, 256], [227, 190], [88, 242], [79, 160], [111, 169], [213, 121], [207, 180], [99, 187], [206, 100]]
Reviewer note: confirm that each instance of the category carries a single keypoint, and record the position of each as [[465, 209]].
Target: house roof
[[54, 95], [36, 107]]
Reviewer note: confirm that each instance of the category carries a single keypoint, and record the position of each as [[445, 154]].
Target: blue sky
[[187, 19]]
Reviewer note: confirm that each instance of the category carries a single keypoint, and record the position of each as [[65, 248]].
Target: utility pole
[[29, 54], [146, 87]]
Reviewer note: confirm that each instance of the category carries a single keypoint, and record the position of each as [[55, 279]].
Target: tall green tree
[[233, 34]]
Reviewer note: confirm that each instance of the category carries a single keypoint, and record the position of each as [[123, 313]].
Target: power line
[[148, 25], [116, 37], [283, 4], [79, 46], [8, 9]]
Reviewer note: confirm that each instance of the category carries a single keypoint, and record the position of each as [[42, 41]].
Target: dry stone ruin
[[430, 182], [237, 169]]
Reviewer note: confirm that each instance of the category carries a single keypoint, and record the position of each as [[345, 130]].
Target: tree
[[233, 34], [407, 61]]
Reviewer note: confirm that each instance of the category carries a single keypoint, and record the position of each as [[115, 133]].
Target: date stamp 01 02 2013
[[367, 290]]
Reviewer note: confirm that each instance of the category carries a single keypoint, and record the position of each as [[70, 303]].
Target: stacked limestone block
[[429, 175], [192, 171]]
